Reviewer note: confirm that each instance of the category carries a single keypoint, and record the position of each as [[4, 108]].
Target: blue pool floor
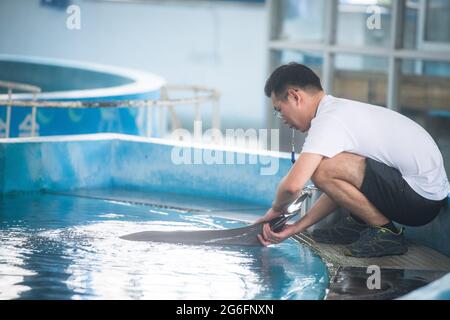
[[68, 247]]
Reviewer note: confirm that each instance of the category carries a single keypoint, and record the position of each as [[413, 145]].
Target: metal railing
[[200, 95], [10, 86]]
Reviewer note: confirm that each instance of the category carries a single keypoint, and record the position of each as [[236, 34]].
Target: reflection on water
[[57, 247], [11, 259]]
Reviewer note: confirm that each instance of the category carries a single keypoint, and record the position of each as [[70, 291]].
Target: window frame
[[422, 42]]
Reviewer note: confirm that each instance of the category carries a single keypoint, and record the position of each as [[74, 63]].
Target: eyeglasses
[[277, 114]]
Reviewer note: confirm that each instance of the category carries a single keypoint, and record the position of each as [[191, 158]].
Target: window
[[427, 89], [302, 20], [352, 23], [427, 24], [410, 24], [437, 21], [361, 78]]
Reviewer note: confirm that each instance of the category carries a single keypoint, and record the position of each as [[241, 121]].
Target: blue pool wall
[[111, 160], [54, 165], [79, 81]]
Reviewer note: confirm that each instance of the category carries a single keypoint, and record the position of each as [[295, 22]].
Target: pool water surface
[[61, 247]]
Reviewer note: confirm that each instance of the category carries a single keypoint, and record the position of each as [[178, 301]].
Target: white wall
[[217, 45]]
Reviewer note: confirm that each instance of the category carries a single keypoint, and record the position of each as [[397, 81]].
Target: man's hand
[[269, 237], [270, 214]]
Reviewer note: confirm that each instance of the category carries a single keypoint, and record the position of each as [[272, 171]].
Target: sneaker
[[378, 242], [345, 231]]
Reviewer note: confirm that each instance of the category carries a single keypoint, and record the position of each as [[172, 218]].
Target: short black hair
[[294, 74]]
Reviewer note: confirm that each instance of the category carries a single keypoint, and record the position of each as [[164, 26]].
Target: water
[[59, 247]]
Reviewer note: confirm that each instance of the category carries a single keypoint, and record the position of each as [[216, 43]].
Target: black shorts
[[390, 193]]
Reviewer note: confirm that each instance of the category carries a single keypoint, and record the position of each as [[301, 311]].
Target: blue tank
[[63, 80]]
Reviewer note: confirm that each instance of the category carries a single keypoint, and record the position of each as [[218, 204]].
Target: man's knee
[[323, 173], [339, 167]]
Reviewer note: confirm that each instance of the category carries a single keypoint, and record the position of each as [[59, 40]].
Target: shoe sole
[[347, 252]]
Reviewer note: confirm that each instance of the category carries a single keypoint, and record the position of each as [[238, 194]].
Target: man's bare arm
[[291, 185]]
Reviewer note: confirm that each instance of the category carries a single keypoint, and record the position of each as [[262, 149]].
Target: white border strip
[[143, 82], [160, 141]]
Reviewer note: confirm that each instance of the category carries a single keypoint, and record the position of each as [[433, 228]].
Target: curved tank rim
[[143, 82]]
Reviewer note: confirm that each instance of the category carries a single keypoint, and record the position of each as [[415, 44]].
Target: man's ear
[[294, 93]]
